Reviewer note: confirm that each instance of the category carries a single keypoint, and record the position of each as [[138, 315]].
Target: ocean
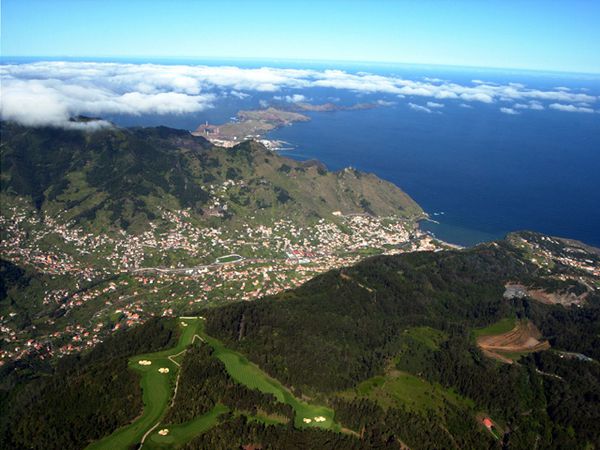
[[480, 173]]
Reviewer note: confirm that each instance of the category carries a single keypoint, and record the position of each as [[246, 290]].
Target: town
[[98, 283]]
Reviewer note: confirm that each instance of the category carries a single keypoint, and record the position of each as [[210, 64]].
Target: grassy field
[[228, 259], [249, 374], [401, 388], [502, 326], [431, 337], [157, 391]]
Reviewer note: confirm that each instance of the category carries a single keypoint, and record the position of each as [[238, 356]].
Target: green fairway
[[180, 434], [157, 390], [249, 374], [502, 326]]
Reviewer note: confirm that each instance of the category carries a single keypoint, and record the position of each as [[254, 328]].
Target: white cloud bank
[[49, 93], [571, 108], [509, 111], [535, 105]]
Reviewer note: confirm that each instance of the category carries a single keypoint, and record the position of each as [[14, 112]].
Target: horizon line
[[298, 60]]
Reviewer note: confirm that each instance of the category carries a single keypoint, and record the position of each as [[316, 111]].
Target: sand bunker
[[320, 419], [164, 432], [306, 420], [183, 324], [144, 362], [164, 370], [523, 338]]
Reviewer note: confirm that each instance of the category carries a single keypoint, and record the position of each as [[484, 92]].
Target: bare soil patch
[[523, 338]]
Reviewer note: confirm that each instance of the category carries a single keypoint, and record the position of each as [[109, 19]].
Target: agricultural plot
[[508, 345]]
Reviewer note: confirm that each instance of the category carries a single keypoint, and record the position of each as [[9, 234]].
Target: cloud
[[535, 105], [239, 95], [509, 111], [52, 92], [570, 108], [464, 105], [435, 105], [53, 101], [296, 98], [419, 108], [490, 83]]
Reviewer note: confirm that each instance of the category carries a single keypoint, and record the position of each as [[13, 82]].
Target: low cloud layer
[[571, 108], [435, 105], [49, 93]]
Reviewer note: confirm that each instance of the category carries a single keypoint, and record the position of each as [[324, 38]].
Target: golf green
[[157, 388]]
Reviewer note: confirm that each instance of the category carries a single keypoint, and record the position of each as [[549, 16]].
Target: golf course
[[250, 375], [159, 372]]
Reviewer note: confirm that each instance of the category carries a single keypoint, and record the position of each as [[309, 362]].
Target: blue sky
[[539, 35]]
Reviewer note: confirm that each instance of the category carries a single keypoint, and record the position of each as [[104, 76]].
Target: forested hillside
[[81, 399], [415, 314]]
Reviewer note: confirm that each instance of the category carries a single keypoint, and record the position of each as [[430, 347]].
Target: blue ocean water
[[489, 173], [479, 172]]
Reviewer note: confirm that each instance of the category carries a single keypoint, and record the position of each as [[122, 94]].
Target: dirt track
[[523, 338]]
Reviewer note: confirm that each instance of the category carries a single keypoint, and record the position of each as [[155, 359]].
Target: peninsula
[[254, 124]]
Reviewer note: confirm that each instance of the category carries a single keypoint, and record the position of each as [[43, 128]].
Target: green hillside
[[394, 336], [384, 351], [126, 177]]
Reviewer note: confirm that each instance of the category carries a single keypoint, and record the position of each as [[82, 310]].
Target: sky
[[524, 34]]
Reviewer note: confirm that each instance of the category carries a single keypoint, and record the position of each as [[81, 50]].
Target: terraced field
[[508, 346]]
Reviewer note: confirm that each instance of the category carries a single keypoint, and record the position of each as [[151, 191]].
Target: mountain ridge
[[121, 175]]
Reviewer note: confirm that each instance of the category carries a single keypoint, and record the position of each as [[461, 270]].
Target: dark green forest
[[84, 397], [352, 333], [327, 337], [205, 382]]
